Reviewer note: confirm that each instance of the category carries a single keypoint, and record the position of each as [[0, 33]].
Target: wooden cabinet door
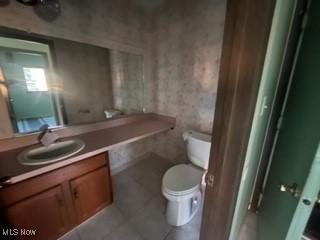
[[91, 192], [44, 212]]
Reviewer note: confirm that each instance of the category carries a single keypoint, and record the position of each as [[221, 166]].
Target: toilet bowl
[[181, 184], [183, 193]]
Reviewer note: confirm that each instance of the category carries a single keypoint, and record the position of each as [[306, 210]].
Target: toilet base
[[180, 212]]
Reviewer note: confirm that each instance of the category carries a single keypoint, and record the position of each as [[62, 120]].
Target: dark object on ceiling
[[28, 2], [4, 3], [48, 10]]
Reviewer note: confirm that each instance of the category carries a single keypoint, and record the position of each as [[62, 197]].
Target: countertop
[[98, 141]]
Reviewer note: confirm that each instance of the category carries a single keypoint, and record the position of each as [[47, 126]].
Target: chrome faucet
[[47, 137]]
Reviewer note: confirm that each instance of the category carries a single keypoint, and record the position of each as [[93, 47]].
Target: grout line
[[115, 229], [172, 228]]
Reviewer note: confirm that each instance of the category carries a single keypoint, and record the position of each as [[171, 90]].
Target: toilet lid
[[182, 179]]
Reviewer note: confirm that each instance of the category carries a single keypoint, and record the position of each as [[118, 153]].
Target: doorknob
[[293, 189]]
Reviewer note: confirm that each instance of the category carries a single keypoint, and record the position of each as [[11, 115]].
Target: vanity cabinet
[[90, 193], [55, 202]]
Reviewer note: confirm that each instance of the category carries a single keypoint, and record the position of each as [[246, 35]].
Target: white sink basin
[[38, 155]]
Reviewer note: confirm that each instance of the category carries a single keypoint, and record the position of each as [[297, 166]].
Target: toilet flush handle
[[209, 180]]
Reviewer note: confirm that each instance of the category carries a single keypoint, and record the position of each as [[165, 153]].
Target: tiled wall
[[187, 40], [127, 155], [127, 81]]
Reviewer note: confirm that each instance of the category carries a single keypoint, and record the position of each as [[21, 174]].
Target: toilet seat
[[182, 180]]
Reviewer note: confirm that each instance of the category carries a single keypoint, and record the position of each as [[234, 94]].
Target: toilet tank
[[198, 148]]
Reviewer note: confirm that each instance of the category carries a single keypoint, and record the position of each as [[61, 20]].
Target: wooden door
[[91, 192], [44, 212]]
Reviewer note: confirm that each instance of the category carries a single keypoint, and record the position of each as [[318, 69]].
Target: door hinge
[[260, 200], [279, 123], [264, 106], [209, 180], [305, 16]]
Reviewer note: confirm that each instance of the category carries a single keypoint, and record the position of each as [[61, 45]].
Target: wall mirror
[[59, 82]]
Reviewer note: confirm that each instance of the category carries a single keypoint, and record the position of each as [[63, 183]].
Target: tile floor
[[138, 209]]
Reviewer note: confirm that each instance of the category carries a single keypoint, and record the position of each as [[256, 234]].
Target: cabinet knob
[[59, 200], [75, 193]]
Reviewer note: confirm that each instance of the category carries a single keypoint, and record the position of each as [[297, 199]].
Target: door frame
[[246, 34]]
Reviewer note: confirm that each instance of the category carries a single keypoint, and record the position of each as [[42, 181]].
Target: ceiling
[[149, 4]]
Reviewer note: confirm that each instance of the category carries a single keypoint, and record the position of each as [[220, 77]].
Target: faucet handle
[[44, 128], [48, 138]]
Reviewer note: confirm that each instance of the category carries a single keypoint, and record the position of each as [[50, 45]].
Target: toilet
[[181, 184]]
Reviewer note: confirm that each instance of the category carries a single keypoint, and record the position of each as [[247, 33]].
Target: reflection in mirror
[[25, 77], [59, 82], [127, 81]]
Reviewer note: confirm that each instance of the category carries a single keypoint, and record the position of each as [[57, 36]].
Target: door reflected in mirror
[[60, 82]]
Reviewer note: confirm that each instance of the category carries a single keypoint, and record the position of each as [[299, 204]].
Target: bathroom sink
[[57, 151]]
